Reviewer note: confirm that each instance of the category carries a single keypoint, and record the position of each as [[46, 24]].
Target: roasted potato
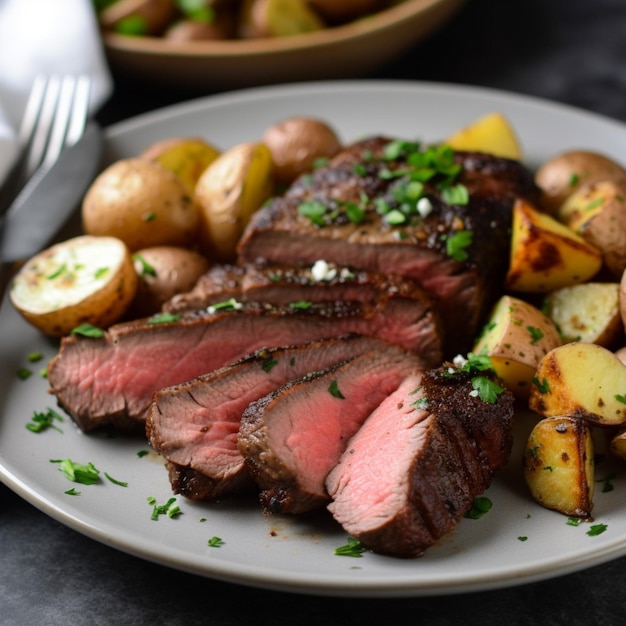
[[597, 212], [297, 143], [563, 174], [138, 17], [229, 191], [589, 312], [141, 203], [84, 280], [622, 298], [187, 157], [163, 272], [491, 133], [516, 337], [546, 254], [277, 18], [582, 380], [559, 466]]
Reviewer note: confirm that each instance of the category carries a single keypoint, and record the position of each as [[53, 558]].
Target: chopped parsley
[[333, 389], [23, 373], [215, 542], [84, 474], [457, 244], [480, 507], [535, 333], [41, 421], [353, 548], [170, 508], [146, 268], [542, 386], [164, 318], [72, 492], [301, 304], [115, 481], [268, 364], [596, 529], [573, 521], [88, 330], [620, 398], [142, 453], [227, 305], [486, 389]]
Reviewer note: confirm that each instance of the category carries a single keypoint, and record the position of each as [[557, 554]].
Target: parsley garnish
[[164, 318], [146, 268], [488, 391], [84, 474], [535, 333], [542, 386], [169, 508], [268, 364], [88, 330], [457, 244], [72, 492], [455, 194], [42, 421], [620, 398], [573, 521], [480, 507], [23, 373], [301, 304], [352, 548], [114, 481], [142, 453], [333, 389], [215, 542], [226, 305], [596, 529], [314, 210]]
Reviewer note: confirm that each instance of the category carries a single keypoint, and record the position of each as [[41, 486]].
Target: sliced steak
[[409, 474], [282, 284], [291, 438], [463, 278], [111, 380], [195, 425]]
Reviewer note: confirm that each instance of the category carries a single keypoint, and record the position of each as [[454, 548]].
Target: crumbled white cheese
[[474, 393], [321, 271], [424, 206], [459, 361], [451, 370], [346, 273]]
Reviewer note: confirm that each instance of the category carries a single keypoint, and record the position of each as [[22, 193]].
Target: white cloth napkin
[[45, 37]]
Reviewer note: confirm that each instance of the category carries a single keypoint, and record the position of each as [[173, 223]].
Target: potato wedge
[[546, 254], [581, 380], [559, 467], [491, 133], [187, 157], [278, 18], [563, 174], [597, 212], [141, 203], [84, 280], [229, 191], [516, 337], [589, 312]]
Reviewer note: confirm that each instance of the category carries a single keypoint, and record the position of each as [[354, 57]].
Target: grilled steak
[[282, 284], [111, 380], [409, 474], [195, 425], [294, 436], [457, 251]]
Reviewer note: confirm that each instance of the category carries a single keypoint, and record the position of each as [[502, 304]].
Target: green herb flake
[[134, 25], [33, 357], [395, 217], [522, 538], [620, 398], [23, 373], [72, 492], [421, 404], [57, 272], [88, 330], [535, 333], [594, 204], [41, 421], [457, 244], [486, 389], [480, 507], [573, 521], [353, 548], [100, 272], [455, 194], [314, 211], [333, 389], [354, 212], [170, 508], [301, 304], [215, 542], [84, 474], [542, 386], [115, 481], [146, 268], [607, 482], [573, 179], [149, 217], [596, 529], [268, 364], [164, 318], [142, 453]]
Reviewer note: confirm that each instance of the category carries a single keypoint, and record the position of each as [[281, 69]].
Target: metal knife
[[44, 205]]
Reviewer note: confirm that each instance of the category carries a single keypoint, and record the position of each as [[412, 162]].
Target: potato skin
[[141, 203], [559, 467], [296, 143], [84, 280], [163, 272], [563, 174]]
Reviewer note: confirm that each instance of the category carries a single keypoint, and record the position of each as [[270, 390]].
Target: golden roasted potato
[[547, 255], [229, 191], [491, 133], [563, 174], [187, 157], [141, 203], [516, 337], [296, 143], [559, 467], [138, 17], [163, 272], [84, 280], [582, 380], [589, 312], [597, 212], [277, 18], [622, 298]]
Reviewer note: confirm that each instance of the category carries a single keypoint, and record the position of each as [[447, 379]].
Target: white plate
[[297, 554]]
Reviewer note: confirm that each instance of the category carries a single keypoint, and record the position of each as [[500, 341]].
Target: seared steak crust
[[291, 438], [445, 445], [195, 425], [419, 247], [111, 380]]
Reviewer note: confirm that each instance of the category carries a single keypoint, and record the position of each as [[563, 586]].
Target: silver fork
[[54, 117]]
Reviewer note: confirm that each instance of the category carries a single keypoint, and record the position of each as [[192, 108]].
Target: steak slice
[[282, 284], [111, 380], [195, 425], [428, 247], [291, 438], [409, 474]]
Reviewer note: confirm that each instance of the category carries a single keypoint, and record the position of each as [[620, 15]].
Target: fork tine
[[80, 110], [60, 121]]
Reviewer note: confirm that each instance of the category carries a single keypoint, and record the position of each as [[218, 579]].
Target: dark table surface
[[570, 51]]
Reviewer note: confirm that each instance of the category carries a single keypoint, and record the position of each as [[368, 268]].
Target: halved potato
[[141, 203], [229, 191], [491, 133], [187, 157], [581, 380], [588, 312], [546, 254], [82, 280], [558, 465], [516, 337], [562, 175]]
